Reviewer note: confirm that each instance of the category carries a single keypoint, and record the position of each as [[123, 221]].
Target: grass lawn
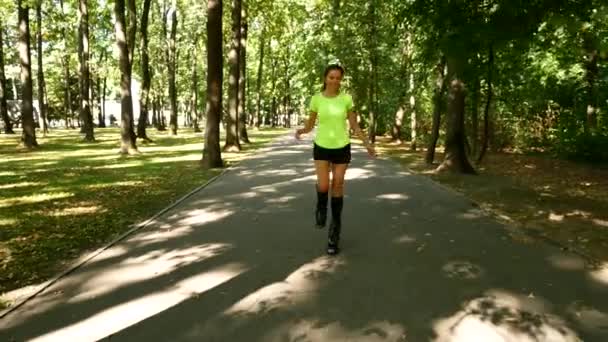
[[542, 197], [68, 197]]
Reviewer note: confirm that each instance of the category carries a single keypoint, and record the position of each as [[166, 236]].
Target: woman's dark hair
[[330, 68]]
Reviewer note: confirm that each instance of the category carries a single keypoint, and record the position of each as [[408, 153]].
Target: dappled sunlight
[[589, 317], [501, 316], [118, 166], [358, 173], [464, 270], [174, 148], [126, 314], [7, 173], [405, 239], [11, 201], [401, 197], [601, 274], [21, 185], [7, 221], [283, 172], [300, 286], [164, 232], [73, 211], [314, 329], [282, 199], [189, 157], [472, 214], [204, 216], [567, 262], [114, 184], [141, 268]]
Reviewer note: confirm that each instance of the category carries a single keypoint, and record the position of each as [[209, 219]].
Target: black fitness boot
[[335, 226], [321, 211]]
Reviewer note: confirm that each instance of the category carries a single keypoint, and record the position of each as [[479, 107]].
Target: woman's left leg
[[337, 201]]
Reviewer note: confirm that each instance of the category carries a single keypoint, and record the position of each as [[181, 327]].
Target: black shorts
[[333, 155]]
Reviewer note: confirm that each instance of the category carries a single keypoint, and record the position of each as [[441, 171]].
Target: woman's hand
[[299, 132]]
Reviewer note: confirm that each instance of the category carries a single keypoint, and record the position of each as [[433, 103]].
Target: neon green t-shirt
[[332, 131]]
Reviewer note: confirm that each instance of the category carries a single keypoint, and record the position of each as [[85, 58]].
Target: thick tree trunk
[[232, 122], [41, 85], [475, 117], [439, 90], [486, 113], [85, 105], [145, 71], [8, 125], [397, 125], [212, 156], [171, 69], [28, 137], [455, 153], [243, 77], [128, 138], [67, 95], [413, 116], [258, 110]]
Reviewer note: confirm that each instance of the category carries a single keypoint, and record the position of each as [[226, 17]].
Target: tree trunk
[[8, 125], [41, 102], [486, 114], [455, 153], [591, 76], [439, 90], [212, 156], [128, 138], [243, 77], [373, 67], [28, 138], [85, 106], [197, 128], [397, 125], [102, 121], [67, 96], [475, 117], [171, 68], [232, 130], [258, 114], [145, 71], [413, 115], [131, 31]]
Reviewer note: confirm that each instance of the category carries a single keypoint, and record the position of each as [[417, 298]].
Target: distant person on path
[[331, 149]]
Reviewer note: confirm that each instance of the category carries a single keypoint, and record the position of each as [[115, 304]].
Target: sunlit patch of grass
[[560, 200], [66, 196]]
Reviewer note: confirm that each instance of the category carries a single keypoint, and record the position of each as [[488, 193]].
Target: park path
[[239, 260]]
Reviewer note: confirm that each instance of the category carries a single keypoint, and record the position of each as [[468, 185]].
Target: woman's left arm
[[354, 125]]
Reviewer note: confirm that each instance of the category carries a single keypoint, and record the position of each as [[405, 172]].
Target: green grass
[[68, 196]]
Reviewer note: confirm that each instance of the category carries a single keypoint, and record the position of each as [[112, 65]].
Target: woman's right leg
[[322, 168]]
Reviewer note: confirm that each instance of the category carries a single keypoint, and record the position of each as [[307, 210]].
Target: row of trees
[[505, 74]]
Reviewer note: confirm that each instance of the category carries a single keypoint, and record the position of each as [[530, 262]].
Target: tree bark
[[145, 71], [102, 122], [195, 93], [258, 114], [128, 138], [67, 96], [243, 77], [475, 117], [28, 137], [232, 122], [85, 105], [455, 153], [8, 125], [41, 85], [439, 90], [413, 115], [171, 68], [486, 114], [212, 156]]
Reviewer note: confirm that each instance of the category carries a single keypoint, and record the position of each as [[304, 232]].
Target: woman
[[331, 149]]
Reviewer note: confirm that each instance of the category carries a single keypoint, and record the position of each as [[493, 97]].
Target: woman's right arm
[[308, 125]]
